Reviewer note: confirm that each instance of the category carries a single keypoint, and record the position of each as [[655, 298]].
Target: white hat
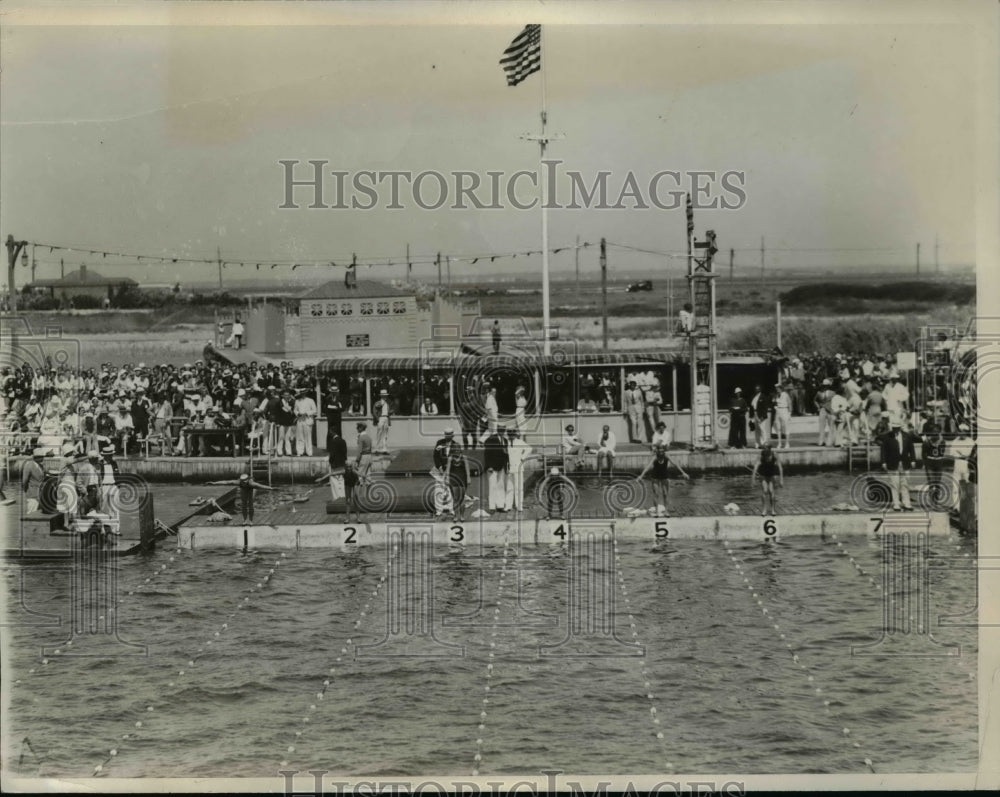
[[39, 452], [554, 471], [449, 430], [738, 390]]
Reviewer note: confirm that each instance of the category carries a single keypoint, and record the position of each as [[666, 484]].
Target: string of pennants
[[344, 262]]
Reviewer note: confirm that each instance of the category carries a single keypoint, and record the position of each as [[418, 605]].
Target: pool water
[[705, 494], [588, 656]]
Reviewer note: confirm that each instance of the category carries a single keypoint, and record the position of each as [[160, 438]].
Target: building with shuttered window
[[362, 318]]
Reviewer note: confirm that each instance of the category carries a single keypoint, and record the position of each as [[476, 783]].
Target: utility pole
[[438, 261], [937, 266], [604, 294], [777, 312], [731, 255], [14, 248], [762, 261], [918, 258], [218, 254], [32, 262], [409, 265], [670, 299], [62, 268], [578, 264], [447, 260], [351, 273]]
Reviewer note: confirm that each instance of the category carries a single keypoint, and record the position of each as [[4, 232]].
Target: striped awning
[[376, 366]]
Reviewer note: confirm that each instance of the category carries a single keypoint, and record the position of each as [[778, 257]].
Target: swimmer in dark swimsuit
[[247, 487], [657, 470], [768, 466]]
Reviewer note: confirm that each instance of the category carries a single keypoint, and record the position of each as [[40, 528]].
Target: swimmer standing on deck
[[768, 465], [247, 486], [352, 478], [657, 470]]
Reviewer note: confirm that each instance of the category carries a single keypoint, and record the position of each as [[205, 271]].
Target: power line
[[144, 260]]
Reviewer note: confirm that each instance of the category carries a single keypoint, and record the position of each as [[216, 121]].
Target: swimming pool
[[687, 656]]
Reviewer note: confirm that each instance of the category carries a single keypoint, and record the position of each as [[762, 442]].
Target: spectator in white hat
[[32, 477], [87, 481], [50, 428], [782, 415], [123, 427], [654, 401], [897, 399], [492, 411], [606, 452], [824, 399], [898, 457], [382, 421], [66, 494], [305, 417], [108, 474]]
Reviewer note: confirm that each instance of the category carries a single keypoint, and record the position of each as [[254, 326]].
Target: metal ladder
[[702, 339], [261, 464], [853, 452]]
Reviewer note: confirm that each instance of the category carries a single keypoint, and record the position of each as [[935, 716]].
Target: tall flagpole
[[545, 213], [517, 57]]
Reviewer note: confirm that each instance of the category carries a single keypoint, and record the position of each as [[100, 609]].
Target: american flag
[[524, 55], [690, 216]]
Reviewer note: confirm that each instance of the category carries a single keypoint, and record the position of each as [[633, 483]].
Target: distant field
[[876, 312], [175, 347], [737, 297]]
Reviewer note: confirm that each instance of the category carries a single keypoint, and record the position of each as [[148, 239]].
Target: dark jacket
[[272, 408], [932, 452], [495, 453], [443, 450], [765, 403], [338, 452], [893, 454]]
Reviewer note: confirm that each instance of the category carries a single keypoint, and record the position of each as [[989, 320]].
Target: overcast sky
[[165, 139]]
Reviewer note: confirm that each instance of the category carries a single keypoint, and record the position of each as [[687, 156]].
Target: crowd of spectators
[[276, 404], [144, 409], [805, 374], [855, 398], [131, 405]]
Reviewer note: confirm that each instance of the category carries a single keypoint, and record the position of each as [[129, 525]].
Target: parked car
[[644, 285]]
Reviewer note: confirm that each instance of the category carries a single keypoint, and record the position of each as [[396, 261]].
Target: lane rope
[[347, 650], [183, 672], [654, 713], [810, 678], [113, 613], [484, 710]]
